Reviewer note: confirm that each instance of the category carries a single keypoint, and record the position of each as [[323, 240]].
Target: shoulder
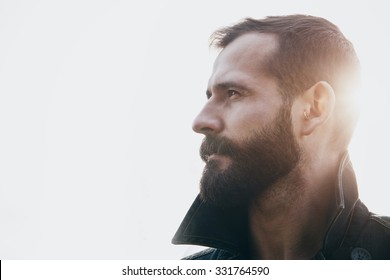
[[381, 221], [375, 236], [211, 254], [378, 228], [367, 236]]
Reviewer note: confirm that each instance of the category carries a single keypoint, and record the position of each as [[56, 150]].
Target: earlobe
[[320, 102]]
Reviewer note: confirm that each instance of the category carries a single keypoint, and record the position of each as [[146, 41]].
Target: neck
[[291, 219]]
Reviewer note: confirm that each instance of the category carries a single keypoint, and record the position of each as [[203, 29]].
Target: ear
[[319, 105]]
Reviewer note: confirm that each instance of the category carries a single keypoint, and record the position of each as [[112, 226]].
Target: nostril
[[207, 125], [202, 128], [206, 130]]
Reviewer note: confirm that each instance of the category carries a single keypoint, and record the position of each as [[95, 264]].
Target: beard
[[254, 166]]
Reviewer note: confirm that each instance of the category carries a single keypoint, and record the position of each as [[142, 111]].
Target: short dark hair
[[310, 49]]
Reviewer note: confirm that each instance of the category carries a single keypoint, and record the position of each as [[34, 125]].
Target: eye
[[233, 94]]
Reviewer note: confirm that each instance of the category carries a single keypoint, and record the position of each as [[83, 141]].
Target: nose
[[208, 121]]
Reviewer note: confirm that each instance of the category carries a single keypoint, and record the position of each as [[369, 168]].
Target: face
[[249, 141]]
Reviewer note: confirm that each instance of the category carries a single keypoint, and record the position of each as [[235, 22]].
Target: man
[[278, 182]]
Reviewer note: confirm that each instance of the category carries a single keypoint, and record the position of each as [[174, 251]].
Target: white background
[[97, 156]]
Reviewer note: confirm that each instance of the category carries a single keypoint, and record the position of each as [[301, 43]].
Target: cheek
[[243, 120]]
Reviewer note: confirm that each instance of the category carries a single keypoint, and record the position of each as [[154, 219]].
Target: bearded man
[[278, 182]]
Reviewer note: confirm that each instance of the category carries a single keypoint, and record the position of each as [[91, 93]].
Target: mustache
[[217, 145]]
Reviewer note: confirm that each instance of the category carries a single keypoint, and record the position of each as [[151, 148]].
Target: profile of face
[[249, 141]]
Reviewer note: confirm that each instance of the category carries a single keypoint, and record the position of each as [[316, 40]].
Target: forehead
[[245, 57]]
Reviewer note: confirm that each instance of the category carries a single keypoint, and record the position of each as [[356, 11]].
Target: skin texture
[[289, 219], [231, 110]]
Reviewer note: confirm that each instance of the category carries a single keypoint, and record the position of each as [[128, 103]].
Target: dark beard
[[256, 164]]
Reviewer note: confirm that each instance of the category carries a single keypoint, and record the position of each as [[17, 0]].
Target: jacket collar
[[226, 229], [346, 198]]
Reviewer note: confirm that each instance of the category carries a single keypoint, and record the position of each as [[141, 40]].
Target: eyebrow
[[227, 85]]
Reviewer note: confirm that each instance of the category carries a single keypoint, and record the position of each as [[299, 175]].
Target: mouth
[[216, 149], [222, 161], [211, 156], [214, 157]]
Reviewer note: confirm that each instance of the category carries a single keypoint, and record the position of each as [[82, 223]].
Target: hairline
[[266, 62]]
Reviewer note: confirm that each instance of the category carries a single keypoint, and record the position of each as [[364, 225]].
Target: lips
[[213, 147], [211, 157]]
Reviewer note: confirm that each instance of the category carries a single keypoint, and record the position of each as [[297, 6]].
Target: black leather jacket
[[355, 233]]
